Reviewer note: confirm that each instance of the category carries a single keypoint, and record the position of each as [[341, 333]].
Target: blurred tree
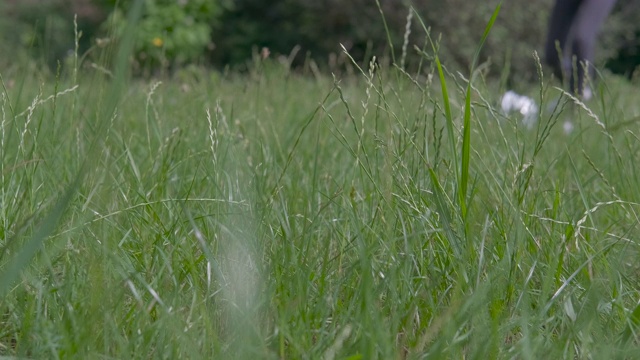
[[45, 27], [622, 33], [319, 26], [174, 32], [316, 26]]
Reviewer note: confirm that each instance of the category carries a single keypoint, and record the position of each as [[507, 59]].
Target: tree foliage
[[318, 27], [223, 32], [169, 32], [44, 29]]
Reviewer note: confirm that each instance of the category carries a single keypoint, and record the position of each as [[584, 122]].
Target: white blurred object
[[568, 127], [587, 94], [512, 101]]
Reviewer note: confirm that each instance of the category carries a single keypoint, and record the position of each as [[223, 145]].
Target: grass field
[[272, 215]]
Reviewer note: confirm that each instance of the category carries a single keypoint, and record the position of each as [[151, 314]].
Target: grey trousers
[[574, 26]]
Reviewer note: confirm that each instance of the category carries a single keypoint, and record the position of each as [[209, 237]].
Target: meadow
[[280, 215]]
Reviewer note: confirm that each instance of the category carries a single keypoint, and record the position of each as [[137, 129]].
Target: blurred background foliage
[[43, 30], [222, 33], [170, 32]]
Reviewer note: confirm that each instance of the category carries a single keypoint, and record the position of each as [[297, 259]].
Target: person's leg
[[562, 17], [591, 16]]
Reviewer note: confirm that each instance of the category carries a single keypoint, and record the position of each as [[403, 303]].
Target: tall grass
[[278, 216]]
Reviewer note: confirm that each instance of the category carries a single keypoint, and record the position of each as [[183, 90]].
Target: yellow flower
[[157, 42]]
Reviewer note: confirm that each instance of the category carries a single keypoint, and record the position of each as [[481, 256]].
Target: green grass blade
[[487, 29], [466, 151], [448, 116], [27, 251], [386, 30], [463, 182], [445, 97], [633, 325], [443, 210]]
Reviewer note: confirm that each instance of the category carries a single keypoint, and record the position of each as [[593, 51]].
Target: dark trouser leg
[[591, 16], [562, 16]]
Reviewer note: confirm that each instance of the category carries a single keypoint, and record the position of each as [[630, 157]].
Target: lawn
[[280, 215]]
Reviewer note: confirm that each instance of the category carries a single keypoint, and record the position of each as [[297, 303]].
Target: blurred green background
[[229, 33]]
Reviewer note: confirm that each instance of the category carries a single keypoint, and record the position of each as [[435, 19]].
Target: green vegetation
[[281, 215], [169, 32], [222, 33]]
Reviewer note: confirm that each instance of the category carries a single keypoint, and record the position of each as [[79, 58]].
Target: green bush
[[169, 32]]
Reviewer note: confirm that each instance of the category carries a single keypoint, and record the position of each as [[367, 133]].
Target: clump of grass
[[289, 217]]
